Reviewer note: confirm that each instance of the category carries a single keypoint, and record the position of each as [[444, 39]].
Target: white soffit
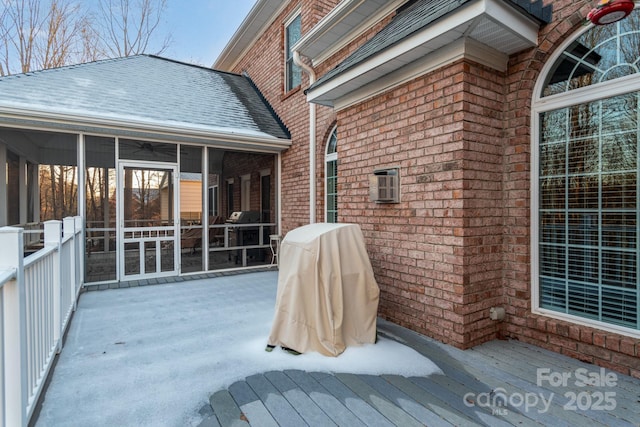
[[346, 22], [501, 28]]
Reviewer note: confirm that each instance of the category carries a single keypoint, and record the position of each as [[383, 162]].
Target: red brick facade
[[459, 241]]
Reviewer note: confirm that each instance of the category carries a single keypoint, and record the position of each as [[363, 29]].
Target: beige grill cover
[[327, 295]]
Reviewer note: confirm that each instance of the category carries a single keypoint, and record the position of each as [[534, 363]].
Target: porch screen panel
[[588, 229], [101, 242], [191, 210]]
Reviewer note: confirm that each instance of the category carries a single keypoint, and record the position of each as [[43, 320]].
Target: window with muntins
[[331, 174], [293, 75], [587, 179]]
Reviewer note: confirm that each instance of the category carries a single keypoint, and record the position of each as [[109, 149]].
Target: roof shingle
[[149, 89]]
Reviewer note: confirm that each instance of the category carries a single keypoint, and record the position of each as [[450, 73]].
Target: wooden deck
[[500, 383]]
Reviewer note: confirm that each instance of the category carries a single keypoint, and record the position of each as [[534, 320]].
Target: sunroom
[[154, 155]]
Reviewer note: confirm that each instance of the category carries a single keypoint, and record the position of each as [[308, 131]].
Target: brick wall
[[437, 254]]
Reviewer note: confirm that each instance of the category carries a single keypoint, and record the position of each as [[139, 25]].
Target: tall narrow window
[[586, 241], [230, 206], [245, 192], [331, 174], [293, 75]]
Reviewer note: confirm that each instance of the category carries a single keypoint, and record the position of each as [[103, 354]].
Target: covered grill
[[327, 295], [245, 236], [243, 217]]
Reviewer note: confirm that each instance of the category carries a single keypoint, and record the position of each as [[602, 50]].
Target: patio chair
[[193, 238]]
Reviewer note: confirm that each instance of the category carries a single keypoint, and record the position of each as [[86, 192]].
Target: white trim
[[459, 49], [329, 157], [583, 321], [206, 186], [278, 187], [180, 131], [22, 194], [327, 24], [173, 167], [3, 185], [594, 92], [262, 15], [82, 193], [437, 36]]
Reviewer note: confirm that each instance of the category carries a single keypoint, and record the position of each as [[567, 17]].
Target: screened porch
[[151, 208]]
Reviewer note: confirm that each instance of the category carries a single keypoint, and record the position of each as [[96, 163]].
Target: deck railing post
[[79, 257], [53, 237], [69, 230], [14, 321]]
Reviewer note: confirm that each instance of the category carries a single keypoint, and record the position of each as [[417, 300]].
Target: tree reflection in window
[[602, 53]]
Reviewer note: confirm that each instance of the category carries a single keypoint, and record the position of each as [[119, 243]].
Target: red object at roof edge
[[610, 11]]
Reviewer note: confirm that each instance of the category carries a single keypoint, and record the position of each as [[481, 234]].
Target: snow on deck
[[154, 355]]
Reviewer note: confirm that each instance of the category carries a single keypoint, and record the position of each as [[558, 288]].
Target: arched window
[[331, 176], [585, 214]]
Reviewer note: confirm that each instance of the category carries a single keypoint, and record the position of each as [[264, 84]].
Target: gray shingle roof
[[149, 89], [414, 16]]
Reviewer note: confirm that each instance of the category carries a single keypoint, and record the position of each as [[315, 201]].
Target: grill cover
[[327, 295]]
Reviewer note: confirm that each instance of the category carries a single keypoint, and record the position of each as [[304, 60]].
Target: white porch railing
[[38, 294]]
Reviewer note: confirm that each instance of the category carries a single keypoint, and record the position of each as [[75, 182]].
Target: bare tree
[[22, 23], [63, 35], [4, 39], [37, 34], [126, 27]]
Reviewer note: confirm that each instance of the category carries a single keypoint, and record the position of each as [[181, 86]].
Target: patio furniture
[[192, 238], [274, 245]]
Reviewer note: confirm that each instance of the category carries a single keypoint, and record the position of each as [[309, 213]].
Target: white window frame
[[288, 51], [329, 157], [540, 105]]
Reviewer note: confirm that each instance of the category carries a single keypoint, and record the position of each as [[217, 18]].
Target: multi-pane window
[[293, 75], [587, 219], [331, 174]]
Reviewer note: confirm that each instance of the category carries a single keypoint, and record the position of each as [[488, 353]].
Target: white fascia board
[[259, 18], [179, 131], [322, 41], [460, 21], [459, 49]]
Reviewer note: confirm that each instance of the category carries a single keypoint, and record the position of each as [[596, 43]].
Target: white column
[[14, 324], [82, 189], [205, 208], [3, 185], [22, 185]]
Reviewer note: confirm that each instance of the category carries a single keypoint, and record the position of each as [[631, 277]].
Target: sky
[[200, 29], [153, 355]]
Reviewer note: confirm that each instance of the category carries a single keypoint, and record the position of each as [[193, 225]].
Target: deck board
[[393, 413], [327, 402], [404, 401], [509, 367]]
